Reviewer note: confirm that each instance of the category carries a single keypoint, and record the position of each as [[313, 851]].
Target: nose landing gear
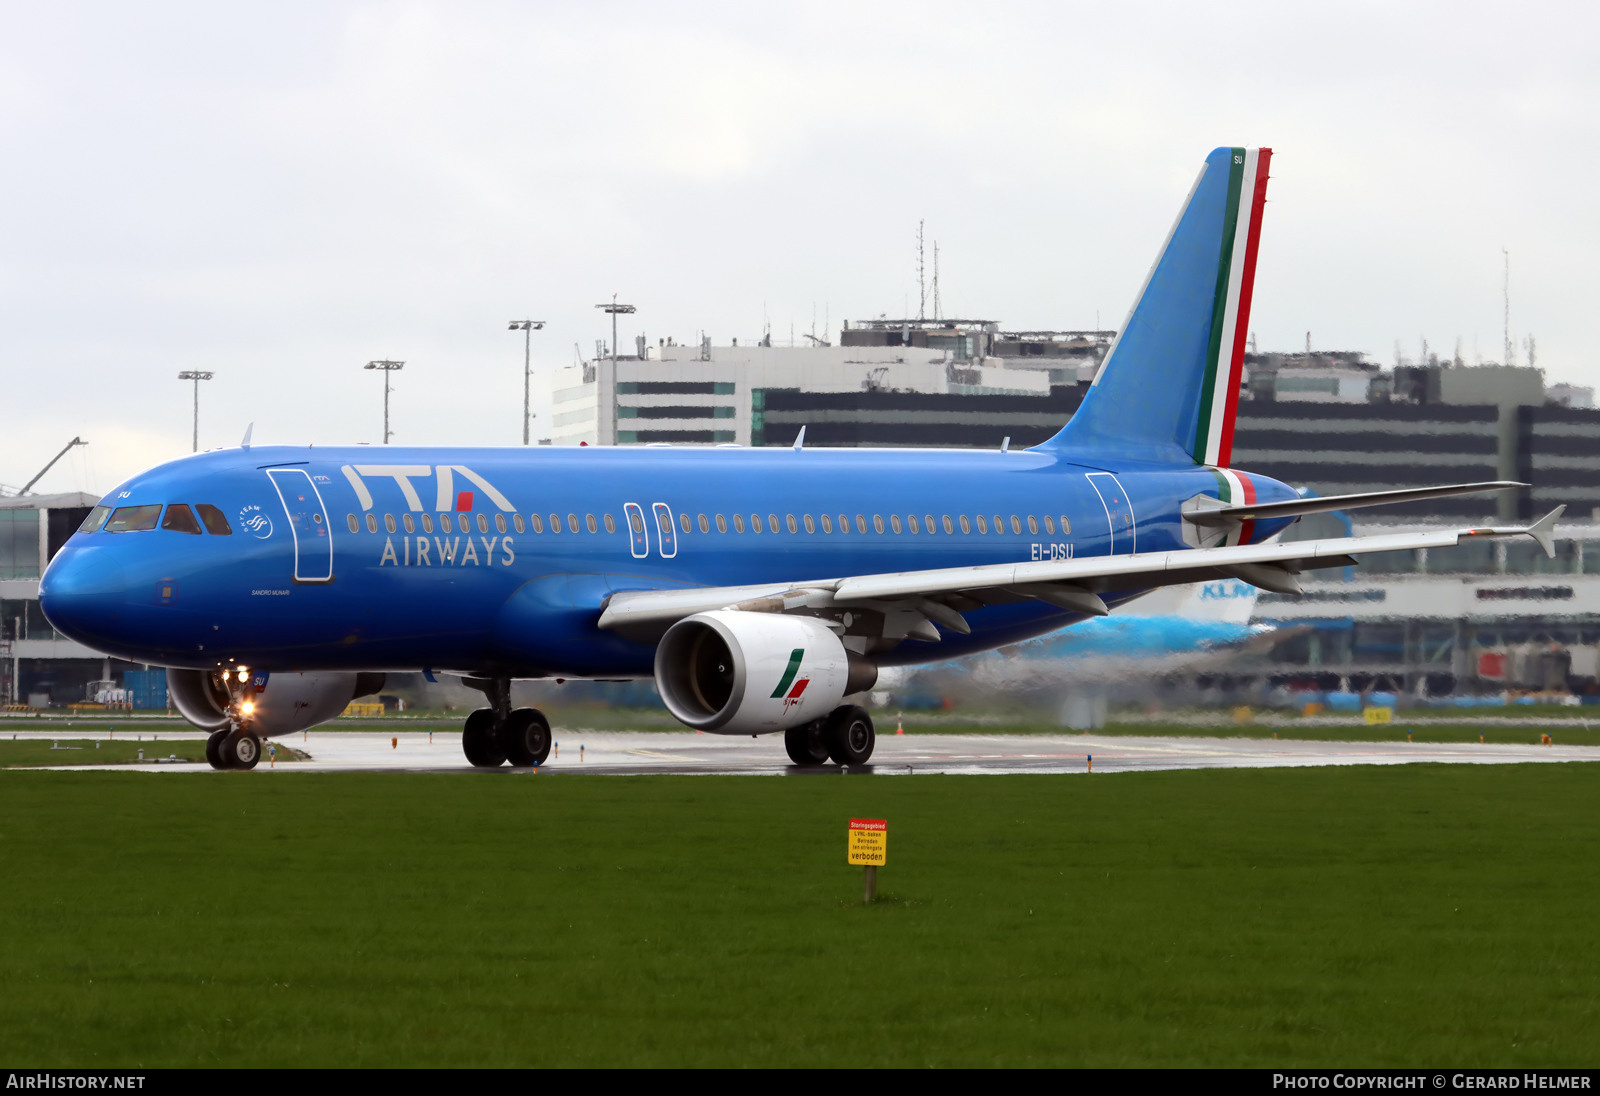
[[233, 748], [236, 746]]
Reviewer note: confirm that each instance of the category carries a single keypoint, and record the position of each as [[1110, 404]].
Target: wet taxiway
[[688, 753]]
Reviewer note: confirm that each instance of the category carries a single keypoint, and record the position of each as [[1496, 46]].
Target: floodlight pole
[[616, 310], [527, 327], [196, 375], [387, 367]]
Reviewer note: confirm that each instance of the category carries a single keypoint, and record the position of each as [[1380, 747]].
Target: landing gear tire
[[244, 749], [214, 749], [808, 743], [483, 742], [850, 736], [527, 738]]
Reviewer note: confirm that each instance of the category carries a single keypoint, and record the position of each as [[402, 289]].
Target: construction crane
[[27, 486]]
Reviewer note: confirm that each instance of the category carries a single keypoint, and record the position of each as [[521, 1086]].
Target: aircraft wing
[[920, 599]]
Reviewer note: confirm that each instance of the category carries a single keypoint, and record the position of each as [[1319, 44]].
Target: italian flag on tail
[[1235, 489], [1230, 310]]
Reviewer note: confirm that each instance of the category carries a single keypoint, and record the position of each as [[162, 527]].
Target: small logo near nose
[[166, 592], [255, 522]]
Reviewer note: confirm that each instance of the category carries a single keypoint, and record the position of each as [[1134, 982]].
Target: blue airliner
[[759, 588]]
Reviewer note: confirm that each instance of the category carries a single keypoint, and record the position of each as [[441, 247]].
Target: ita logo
[[255, 522], [789, 688]]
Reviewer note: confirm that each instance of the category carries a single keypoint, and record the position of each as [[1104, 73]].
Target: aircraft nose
[[81, 594]]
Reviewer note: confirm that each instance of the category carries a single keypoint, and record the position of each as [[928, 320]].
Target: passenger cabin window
[[827, 524], [590, 524], [537, 522], [1049, 525], [1016, 525], [861, 524], [1066, 525], [983, 526], [684, 523], [180, 519], [215, 523], [722, 524], [516, 522], [555, 523], [483, 523], [350, 520], [894, 523], [1033, 525], [96, 516], [500, 523], [635, 521], [572, 522], [409, 522], [811, 526], [738, 523], [999, 525], [134, 519], [772, 522], [372, 523], [844, 523], [755, 523], [966, 526], [611, 524], [388, 522], [948, 528], [791, 523], [705, 525]]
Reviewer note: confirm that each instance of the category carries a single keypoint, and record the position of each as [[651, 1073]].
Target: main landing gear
[[233, 748], [844, 737], [497, 734]]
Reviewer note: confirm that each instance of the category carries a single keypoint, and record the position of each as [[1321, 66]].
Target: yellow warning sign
[[1379, 715], [869, 841]]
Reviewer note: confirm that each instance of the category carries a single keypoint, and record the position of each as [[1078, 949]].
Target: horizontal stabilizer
[[1297, 507]]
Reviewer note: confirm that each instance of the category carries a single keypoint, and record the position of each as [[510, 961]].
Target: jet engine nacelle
[[735, 672], [281, 704]]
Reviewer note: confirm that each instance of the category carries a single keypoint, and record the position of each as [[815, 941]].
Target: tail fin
[[1169, 387]]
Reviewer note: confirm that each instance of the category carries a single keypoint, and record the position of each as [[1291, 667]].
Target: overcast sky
[[281, 192]]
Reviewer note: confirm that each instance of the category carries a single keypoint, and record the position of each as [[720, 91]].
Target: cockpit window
[[180, 519], [216, 524], [134, 519], [96, 516]]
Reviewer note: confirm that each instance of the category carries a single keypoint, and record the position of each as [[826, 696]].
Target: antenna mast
[[1510, 351], [922, 285]]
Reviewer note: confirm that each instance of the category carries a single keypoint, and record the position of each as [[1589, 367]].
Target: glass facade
[[19, 543]]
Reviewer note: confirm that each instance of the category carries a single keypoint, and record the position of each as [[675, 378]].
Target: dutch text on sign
[[869, 841]]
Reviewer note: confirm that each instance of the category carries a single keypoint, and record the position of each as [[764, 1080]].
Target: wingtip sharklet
[[1544, 530]]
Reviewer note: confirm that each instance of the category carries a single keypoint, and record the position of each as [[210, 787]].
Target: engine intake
[[734, 672]]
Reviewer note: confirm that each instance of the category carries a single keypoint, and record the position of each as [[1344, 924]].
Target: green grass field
[[1413, 915]]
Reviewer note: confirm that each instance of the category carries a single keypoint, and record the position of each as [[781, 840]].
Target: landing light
[[248, 707]]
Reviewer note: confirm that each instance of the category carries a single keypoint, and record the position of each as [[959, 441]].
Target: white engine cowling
[[735, 672], [277, 703]]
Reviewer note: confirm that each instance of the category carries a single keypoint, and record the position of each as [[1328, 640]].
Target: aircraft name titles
[[455, 551]]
